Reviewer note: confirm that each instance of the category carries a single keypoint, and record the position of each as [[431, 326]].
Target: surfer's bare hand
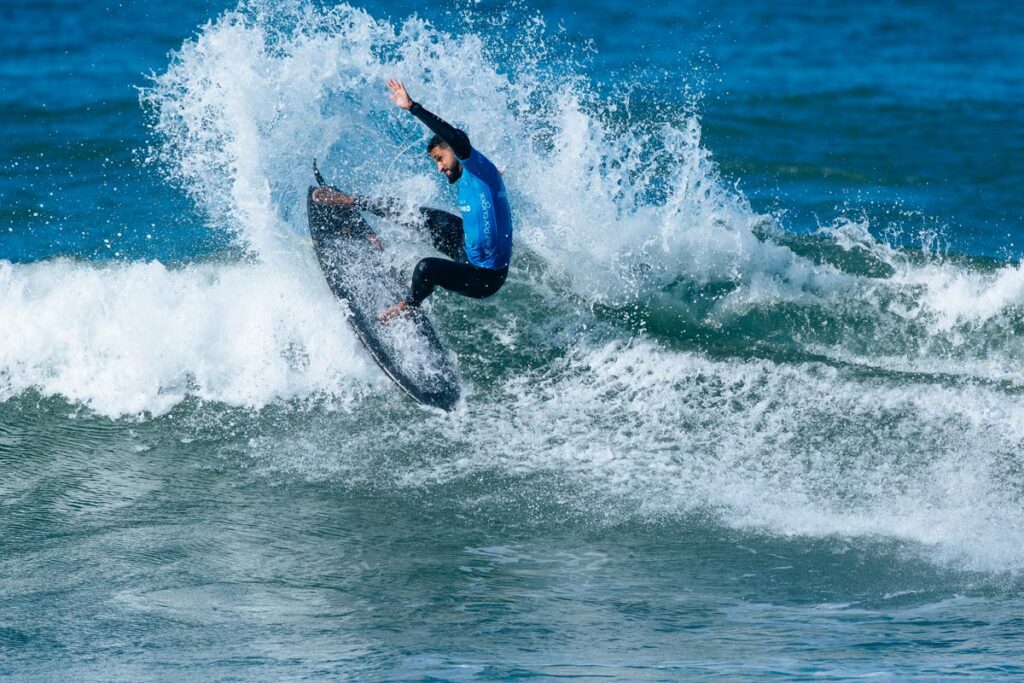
[[324, 195], [398, 94]]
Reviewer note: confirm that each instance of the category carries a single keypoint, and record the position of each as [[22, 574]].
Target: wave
[[660, 344], [628, 210]]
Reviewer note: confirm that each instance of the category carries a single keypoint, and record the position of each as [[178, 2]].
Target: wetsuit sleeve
[[385, 207], [456, 139]]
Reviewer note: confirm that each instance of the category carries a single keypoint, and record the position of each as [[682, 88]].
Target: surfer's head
[[444, 157]]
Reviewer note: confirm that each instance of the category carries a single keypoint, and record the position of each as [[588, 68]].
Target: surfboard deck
[[407, 348]]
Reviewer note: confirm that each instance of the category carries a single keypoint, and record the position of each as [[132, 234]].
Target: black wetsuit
[[479, 261], [446, 234]]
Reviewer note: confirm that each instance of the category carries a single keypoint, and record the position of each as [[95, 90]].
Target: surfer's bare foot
[[325, 195], [402, 308]]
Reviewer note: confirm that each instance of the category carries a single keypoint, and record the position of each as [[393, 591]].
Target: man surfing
[[479, 244]]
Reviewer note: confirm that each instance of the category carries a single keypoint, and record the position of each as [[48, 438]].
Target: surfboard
[[354, 263]]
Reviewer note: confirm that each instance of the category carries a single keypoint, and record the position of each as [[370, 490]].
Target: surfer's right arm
[[453, 137]]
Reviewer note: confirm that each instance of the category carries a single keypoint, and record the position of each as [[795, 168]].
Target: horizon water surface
[[749, 406]]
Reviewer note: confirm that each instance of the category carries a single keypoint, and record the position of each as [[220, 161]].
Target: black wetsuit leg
[[462, 278], [457, 275], [445, 230]]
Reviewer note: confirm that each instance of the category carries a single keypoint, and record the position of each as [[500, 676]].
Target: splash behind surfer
[[479, 244]]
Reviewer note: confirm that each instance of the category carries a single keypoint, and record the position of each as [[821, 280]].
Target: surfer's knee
[[422, 283], [423, 271]]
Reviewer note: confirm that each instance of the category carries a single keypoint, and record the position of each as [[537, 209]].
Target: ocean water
[[751, 405]]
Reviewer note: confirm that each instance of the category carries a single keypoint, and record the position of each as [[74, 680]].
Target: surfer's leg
[[462, 278], [445, 230]]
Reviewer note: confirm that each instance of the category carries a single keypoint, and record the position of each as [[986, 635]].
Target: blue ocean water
[[749, 406]]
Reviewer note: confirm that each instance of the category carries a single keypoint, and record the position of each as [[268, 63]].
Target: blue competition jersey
[[486, 217]]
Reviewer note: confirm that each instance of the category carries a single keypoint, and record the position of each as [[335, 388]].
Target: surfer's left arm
[[453, 137]]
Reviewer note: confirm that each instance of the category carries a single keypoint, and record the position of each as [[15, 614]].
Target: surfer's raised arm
[[445, 135], [456, 139]]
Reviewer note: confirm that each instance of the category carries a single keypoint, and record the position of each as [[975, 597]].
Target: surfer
[[478, 245]]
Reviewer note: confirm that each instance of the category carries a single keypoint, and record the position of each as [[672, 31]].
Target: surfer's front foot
[[402, 308]]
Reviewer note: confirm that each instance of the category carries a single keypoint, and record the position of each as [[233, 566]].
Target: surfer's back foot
[[402, 308], [328, 196]]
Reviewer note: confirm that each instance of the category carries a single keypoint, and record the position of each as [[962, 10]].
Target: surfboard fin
[[316, 174]]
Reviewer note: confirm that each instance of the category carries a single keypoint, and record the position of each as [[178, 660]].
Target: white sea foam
[[631, 431], [946, 295], [797, 448], [126, 339]]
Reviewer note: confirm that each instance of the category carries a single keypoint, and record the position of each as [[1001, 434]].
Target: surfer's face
[[447, 163]]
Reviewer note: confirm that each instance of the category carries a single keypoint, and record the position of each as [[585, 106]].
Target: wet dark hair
[[436, 141]]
